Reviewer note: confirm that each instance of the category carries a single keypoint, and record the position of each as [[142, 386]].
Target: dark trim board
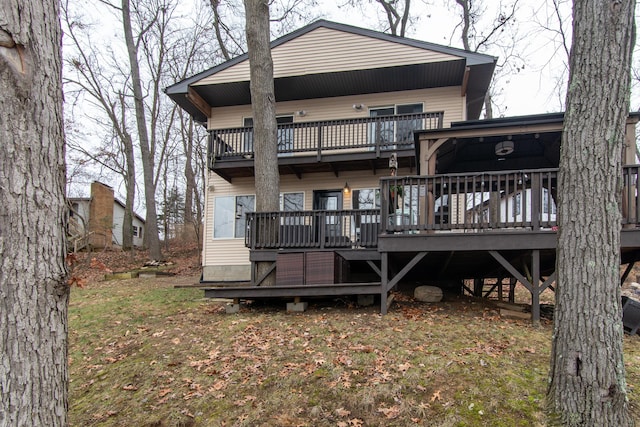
[[456, 241], [249, 292]]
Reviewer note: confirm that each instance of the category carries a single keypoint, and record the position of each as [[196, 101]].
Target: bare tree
[[33, 288], [587, 376], [554, 20], [494, 33], [395, 17], [87, 75], [263, 107]]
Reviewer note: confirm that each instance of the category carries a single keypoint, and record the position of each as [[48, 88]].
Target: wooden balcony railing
[[483, 201], [313, 229], [326, 137], [486, 200]]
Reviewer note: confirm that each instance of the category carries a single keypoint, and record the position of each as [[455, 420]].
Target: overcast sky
[[530, 90]]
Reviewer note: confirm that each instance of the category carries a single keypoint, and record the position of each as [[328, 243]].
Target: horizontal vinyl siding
[[325, 50], [221, 252], [224, 251], [447, 99]]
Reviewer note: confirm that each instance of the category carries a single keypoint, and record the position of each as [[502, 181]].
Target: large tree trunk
[[33, 289], [263, 107], [151, 237], [587, 385]]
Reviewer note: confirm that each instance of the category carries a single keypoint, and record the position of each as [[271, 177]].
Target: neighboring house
[[350, 103], [98, 220]]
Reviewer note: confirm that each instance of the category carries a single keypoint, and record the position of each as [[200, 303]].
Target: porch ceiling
[[530, 151], [337, 163]]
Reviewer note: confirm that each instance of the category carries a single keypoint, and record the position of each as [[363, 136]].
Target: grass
[[144, 354]]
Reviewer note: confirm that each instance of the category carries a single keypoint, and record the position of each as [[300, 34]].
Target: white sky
[[523, 93], [533, 89]]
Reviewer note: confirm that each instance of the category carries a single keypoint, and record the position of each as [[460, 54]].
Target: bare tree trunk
[[33, 287], [263, 107], [587, 385], [152, 239]]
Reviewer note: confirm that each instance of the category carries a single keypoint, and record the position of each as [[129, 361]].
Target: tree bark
[[263, 107], [151, 237], [587, 384], [33, 288]]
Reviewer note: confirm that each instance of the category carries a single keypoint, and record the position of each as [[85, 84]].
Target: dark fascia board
[[472, 58], [531, 119]]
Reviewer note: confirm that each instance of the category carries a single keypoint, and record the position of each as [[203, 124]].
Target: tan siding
[[224, 251], [220, 252], [326, 50], [445, 99]]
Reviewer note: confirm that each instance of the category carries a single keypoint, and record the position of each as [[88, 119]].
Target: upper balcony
[[324, 146]]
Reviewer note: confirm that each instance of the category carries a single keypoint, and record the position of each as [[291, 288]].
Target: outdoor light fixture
[[358, 107], [301, 113], [504, 148], [346, 189]]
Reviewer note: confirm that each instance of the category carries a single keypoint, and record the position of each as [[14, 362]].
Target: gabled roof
[[325, 59]]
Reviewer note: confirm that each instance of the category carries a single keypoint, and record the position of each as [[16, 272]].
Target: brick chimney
[[101, 215]]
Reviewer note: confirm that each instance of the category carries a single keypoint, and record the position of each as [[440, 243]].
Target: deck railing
[[480, 201], [313, 229], [327, 137], [486, 201]]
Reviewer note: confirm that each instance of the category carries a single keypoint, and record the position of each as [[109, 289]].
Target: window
[[390, 131], [368, 198], [135, 231], [292, 202], [229, 219], [285, 135]]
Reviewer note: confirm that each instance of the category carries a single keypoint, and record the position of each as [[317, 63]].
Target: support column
[[384, 269], [535, 287]]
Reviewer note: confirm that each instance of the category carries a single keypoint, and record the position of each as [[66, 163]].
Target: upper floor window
[[391, 131], [285, 134]]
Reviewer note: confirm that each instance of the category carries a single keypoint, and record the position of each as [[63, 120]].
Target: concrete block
[[365, 300], [297, 306], [232, 308]]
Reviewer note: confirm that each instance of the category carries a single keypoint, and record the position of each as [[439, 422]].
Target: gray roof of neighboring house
[[383, 79]]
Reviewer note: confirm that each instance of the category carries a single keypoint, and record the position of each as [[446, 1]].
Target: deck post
[[384, 269], [535, 287]]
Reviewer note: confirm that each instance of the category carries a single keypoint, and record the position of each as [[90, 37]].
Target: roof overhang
[[471, 146], [472, 71]]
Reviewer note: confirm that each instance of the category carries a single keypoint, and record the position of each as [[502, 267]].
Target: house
[[386, 173], [97, 220]]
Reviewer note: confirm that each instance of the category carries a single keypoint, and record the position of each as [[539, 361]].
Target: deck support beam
[[532, 286], [626, 272], [254, 268]]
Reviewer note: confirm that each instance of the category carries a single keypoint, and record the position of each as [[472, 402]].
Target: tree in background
[[395, 17], [587, 379], [33, 288], [88, 75], [496, 35]]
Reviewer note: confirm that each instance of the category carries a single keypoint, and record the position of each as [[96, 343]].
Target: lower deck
[[455, 262], [444, 230]]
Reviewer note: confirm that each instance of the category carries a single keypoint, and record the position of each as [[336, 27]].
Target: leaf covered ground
[[143, 353]]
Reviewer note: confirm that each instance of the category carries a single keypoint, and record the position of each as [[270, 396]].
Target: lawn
[[142, 353]]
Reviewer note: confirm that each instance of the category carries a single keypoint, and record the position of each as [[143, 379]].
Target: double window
[[229, 217], [389, 131], [285, 134]]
